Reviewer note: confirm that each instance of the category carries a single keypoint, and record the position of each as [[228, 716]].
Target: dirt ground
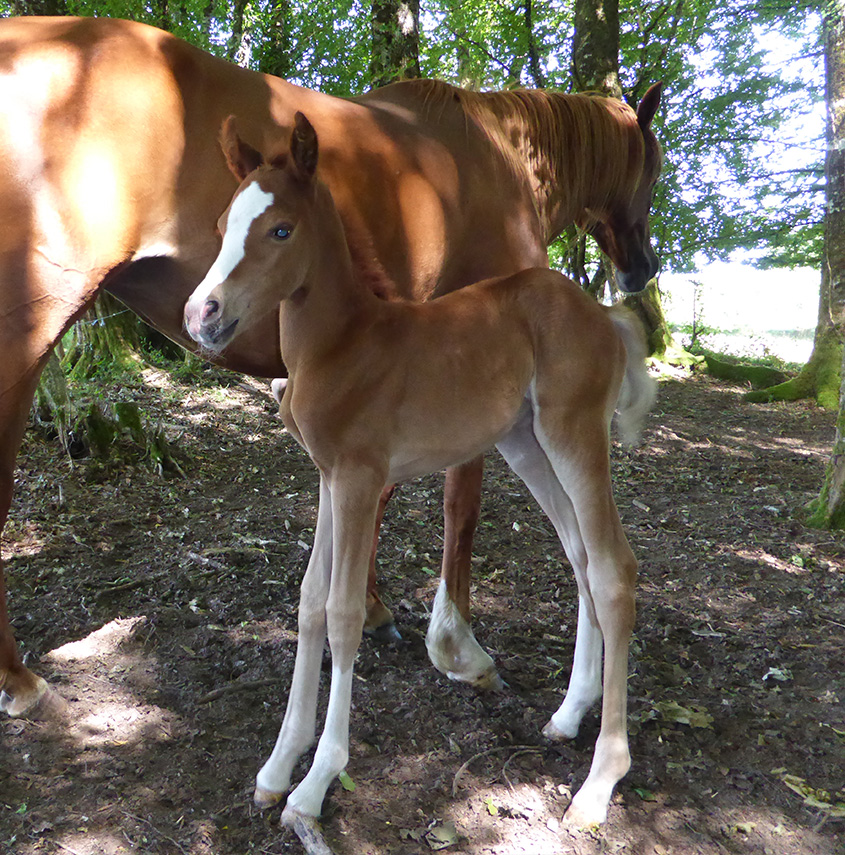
[[163, 610]]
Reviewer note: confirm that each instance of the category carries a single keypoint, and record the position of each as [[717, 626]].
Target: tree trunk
[[595, 48], [396, 41], [829, 508], [275, 53]]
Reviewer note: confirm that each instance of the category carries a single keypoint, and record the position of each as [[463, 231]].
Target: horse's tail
[[638, 391]]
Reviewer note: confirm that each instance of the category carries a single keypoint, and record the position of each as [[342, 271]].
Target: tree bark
[[595, 48], [396, 41], [829, 508]]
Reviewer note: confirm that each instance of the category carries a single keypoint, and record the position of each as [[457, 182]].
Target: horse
[[109, 182], [381, 391]]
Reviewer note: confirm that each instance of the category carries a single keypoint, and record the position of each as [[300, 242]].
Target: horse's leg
[[451, 645], [300, 722], [21, 689], [38, 302], [379, 624], [577, 448], [354, 496], [527, 459]]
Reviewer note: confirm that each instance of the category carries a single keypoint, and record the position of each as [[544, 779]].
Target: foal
[[382, 391]]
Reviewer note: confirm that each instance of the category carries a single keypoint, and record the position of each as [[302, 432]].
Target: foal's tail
[[638, 391]]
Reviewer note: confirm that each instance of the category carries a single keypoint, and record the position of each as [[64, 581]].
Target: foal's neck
[[331, 304]]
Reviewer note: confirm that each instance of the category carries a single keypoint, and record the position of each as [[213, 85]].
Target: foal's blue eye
[[281, 233]]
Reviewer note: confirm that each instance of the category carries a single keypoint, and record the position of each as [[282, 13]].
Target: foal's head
[[269, 235]]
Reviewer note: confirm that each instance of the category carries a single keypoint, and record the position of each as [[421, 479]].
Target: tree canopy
[[742, 122]]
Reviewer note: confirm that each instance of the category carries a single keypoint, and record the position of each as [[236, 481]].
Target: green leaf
[[346, 782]]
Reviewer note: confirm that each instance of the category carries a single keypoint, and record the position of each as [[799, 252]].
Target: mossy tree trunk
[[820, 377], [829, 508]]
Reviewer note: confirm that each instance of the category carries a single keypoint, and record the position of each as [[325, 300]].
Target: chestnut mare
[[382, 391], [111, 179]]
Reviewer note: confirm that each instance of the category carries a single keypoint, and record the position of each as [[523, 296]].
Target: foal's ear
[[303, 145], [648, 106], [240, 157]]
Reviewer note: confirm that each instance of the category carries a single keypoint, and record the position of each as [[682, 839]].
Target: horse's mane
[[583, 150]]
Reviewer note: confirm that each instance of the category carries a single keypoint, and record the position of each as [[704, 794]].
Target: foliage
[[741, 123]]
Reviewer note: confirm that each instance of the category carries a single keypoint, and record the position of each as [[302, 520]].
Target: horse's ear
[[303, 145], [648, 106], [240, 157]]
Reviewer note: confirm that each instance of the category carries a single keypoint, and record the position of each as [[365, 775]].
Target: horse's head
[[622, 232], [258, 265]]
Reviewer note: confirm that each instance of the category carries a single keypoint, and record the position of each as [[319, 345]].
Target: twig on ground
[[513, 757], [161, 834], [234, 686], [466, 765]]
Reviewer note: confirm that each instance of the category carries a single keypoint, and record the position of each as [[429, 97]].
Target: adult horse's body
[[381, 391], [110, 177]]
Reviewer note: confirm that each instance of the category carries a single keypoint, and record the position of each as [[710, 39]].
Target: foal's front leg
[[300, 722], [354, 498]]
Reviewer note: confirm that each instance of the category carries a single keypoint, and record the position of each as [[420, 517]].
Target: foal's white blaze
[[247, 207]]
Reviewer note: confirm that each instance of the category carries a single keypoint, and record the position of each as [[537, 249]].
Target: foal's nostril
[[210, 310]]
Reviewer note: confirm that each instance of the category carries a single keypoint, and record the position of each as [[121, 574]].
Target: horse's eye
[[281, 232]]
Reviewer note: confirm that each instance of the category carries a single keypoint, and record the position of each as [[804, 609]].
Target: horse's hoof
[[29, 702], [555, 734], [307, 829], [585, 816], [487, 681], [384, 634], [265, 799]]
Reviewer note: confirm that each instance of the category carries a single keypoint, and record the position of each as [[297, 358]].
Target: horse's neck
[[573, 148]]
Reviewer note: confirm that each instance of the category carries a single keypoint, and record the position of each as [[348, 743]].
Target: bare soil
[[163, 610]]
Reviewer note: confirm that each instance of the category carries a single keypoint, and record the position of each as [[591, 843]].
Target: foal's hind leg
[[577, 447], [527, 459]]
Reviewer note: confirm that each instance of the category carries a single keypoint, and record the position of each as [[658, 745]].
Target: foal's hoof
[[384, 634], [584, 816], [265, 799], [307, 829], [555, 734]]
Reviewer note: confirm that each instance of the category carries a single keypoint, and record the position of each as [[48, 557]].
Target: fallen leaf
[[346, 782], [442, 836], [673, 711]]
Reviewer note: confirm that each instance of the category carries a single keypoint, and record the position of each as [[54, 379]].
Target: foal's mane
[[581, 150]]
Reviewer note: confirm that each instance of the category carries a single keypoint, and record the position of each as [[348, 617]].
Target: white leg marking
[[299, 725], [452, 647], [332, 751], [584, 682]]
